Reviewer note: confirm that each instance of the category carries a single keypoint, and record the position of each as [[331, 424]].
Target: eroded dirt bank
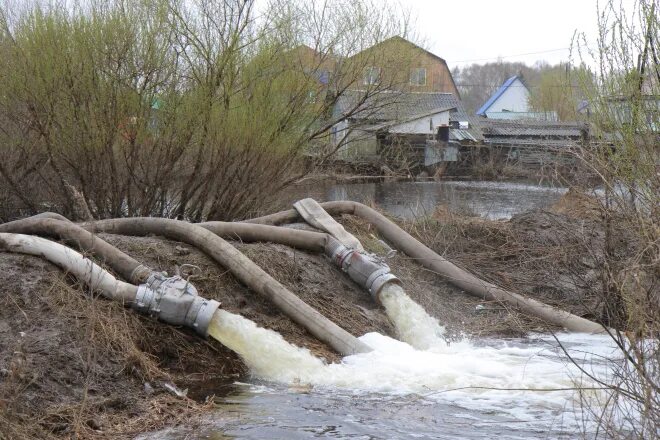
[[76, 366]]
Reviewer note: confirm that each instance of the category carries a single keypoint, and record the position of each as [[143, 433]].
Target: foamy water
[[266, 352], [413, 325], [522, 381]]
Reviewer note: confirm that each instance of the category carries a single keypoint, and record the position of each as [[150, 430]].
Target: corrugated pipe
[[244, 269], [431, 260]]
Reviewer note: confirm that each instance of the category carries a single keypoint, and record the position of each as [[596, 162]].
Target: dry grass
[[78, 365]]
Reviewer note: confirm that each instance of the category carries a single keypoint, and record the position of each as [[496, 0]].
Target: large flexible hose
[[54, 225], [244, 269], [431, 260], [368, 272], [71, 261], [296, 238]]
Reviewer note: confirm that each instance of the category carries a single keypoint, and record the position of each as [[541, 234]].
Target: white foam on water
[[522, 381], [413, 325]]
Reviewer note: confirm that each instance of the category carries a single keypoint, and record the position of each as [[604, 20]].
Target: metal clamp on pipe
[[175, 301], [368, 270]]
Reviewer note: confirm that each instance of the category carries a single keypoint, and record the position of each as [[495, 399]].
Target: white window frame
[[414, 75]]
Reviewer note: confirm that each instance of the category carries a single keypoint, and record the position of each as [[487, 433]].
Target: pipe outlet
[[175, 301], [368, 270]]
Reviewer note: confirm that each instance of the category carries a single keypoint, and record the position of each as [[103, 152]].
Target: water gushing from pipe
[[413, 325], [266, 352], [515, 380]]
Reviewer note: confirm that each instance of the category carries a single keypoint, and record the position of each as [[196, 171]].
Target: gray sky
[[483, 30]]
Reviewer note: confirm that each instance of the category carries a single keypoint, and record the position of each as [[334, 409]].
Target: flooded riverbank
[[481, 375], [491, 200]]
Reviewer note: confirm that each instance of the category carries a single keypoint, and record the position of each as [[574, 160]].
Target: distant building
[[511, 101], [391, 99], [423, 127], [512, 96], [535, 143], [403, 66]]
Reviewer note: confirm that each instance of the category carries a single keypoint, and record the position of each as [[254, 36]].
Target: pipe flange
[[175, 301], [379, 282], [145, 299], [200, 315], [368, 270]]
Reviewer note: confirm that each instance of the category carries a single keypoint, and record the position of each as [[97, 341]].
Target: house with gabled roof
[[512, 96], [511, 101], [404, 66]]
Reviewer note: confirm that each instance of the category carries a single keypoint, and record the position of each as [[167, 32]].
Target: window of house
[[371, 76], [418, 76]]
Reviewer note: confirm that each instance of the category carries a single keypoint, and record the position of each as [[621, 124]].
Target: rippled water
[[398, 392], [517, 388], [493, 200]]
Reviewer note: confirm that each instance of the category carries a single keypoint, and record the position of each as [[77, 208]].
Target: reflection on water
[[493, 200]]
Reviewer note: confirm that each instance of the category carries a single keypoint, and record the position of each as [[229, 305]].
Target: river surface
[[491, 388], [493, 200]]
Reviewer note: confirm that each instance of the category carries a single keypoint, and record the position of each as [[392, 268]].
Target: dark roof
[[497, 94], [398, 106], [497, 128]]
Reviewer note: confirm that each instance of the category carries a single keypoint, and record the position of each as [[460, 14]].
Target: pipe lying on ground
[[296, 238], [71, 261], [171, 300], [244, 269], [368, 272], [54, 225], [431, 260]]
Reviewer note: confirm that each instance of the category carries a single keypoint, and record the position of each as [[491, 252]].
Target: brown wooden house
[[404, 66]]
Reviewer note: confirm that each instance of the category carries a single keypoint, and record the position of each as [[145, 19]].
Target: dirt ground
[[72, 365]]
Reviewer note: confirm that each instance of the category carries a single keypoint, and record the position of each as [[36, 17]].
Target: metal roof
[[496, 95], [497, 128], [458, 134], [387, 106]]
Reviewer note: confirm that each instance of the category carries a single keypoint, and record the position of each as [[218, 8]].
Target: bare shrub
[[187, 109]]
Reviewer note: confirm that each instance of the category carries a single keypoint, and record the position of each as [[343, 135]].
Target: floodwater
[[493, 200], [423, 388], [505, 389]]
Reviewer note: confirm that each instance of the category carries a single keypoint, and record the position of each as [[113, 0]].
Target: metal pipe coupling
[[175, 301], [368, 270]]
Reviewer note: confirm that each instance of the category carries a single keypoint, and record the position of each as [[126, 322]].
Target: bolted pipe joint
[[175, 301], [368, 270]]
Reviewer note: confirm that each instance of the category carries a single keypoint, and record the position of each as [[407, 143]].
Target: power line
[[517, 55], [512, 86]]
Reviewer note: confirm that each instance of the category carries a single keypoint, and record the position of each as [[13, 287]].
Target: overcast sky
[[461, 31]]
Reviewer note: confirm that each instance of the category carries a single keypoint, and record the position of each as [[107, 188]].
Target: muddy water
[[493, 200]]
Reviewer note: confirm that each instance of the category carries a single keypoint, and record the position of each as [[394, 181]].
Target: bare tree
[[188, 109]]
